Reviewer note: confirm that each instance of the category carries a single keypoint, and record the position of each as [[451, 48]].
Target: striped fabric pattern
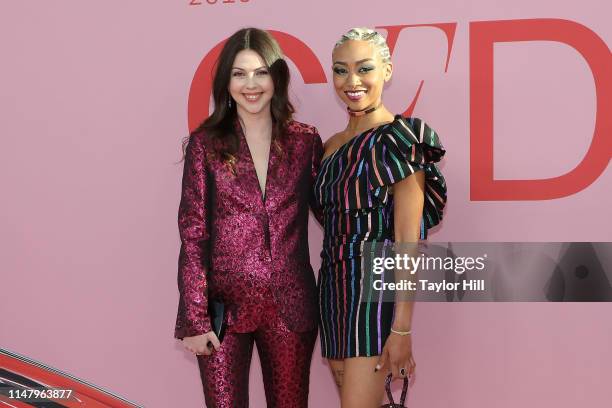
[[353, 190]]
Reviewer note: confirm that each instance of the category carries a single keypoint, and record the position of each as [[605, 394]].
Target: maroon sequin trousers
[[285, 361]]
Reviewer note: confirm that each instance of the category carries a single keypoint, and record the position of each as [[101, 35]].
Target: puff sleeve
[[192, 317], [406, 146]]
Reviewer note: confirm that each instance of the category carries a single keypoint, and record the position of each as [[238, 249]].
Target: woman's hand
[[199, 344], [397, 354]]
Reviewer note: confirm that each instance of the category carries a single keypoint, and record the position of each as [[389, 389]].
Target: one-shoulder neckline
[[358, 135]]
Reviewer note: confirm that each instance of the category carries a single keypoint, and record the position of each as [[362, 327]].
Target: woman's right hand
[[199, 344]]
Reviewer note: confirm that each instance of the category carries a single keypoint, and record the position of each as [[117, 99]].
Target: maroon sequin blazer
[[237, 247]]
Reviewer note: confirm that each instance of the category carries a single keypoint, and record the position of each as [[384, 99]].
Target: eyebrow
[[358, 62], [256, 69]]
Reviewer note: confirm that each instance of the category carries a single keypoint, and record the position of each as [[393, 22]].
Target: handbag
[[216, 309], [216, 312], [402, 400]]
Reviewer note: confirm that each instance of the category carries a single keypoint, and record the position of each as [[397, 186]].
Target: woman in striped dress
[[377, 183]]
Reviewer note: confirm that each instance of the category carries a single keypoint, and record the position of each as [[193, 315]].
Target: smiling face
[[359, 74], [251, 85]]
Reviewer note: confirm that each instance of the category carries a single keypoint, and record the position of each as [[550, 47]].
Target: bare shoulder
[[333, 143]]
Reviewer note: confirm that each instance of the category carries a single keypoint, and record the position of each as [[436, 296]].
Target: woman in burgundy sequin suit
[[243, 220]]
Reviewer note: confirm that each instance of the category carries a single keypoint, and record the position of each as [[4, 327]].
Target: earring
[[229, 102]]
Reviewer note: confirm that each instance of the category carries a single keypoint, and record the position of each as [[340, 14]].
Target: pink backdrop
[[94, 105]]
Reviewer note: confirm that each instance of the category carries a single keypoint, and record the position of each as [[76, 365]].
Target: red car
[[27, 383]]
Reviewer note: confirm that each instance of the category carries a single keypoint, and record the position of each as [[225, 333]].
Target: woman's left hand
[[397, 354]]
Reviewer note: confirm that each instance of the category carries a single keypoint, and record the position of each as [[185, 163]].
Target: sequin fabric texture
[[237, 247], [354, 189]]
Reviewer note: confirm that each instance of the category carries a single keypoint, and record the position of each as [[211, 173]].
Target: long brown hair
[[220, 124]]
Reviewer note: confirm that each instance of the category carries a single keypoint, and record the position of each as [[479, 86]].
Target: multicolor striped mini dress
[[353, 190]]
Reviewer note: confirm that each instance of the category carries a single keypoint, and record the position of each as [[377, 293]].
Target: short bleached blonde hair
[[369, 35]]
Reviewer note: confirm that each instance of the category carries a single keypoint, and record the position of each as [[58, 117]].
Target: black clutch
[[216, 311]]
